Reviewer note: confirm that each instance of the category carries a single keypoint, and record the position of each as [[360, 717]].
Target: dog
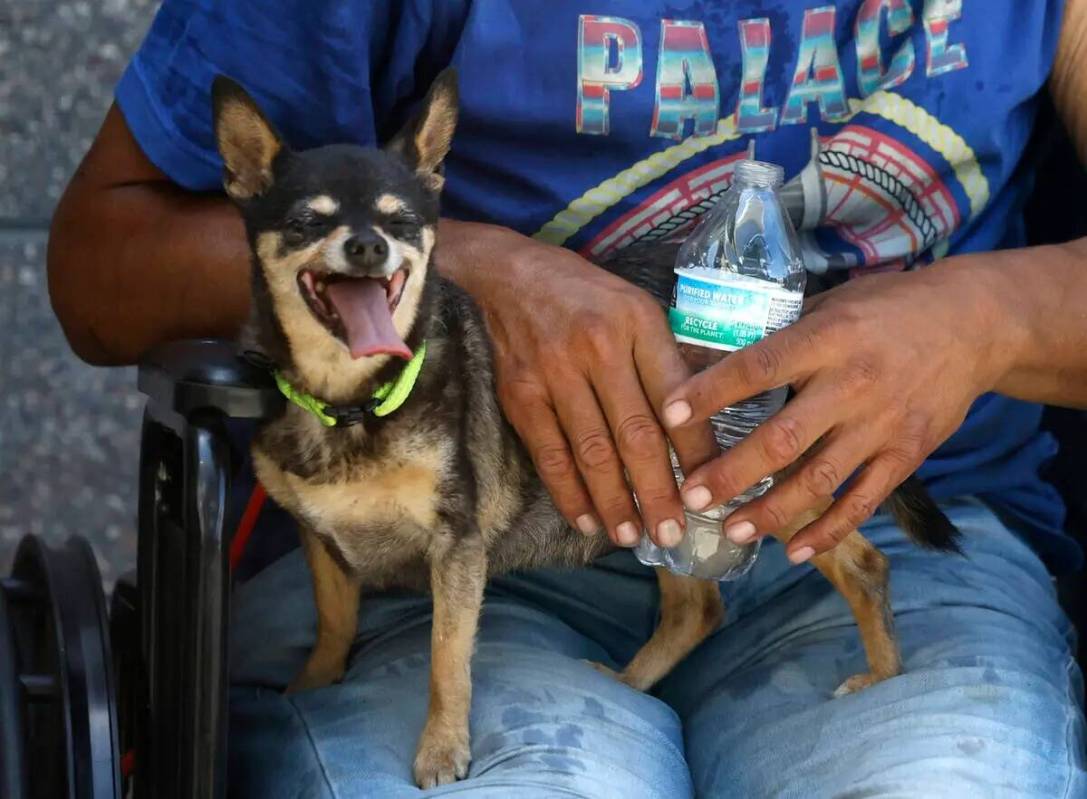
[[394, 456]]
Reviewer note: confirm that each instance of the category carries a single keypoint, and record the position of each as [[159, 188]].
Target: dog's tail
[[921, 518]]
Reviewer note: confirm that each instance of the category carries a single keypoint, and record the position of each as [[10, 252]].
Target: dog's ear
[[425, 141], [246, 140]]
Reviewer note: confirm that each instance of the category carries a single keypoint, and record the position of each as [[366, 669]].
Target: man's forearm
[[1038, 311], [134, 260], [180, 269]]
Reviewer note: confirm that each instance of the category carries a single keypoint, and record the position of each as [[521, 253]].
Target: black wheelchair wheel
[[58, 720]]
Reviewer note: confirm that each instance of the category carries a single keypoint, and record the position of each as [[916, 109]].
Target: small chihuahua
[[394, 455]]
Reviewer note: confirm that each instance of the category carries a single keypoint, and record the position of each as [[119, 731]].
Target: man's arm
[[134, 260], [1045, 289], [1042, 296], [1068, 83]]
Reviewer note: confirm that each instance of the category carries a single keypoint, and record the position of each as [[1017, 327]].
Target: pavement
[[69, 433]]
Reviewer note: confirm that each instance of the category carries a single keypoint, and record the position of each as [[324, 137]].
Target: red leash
[[246, 525]]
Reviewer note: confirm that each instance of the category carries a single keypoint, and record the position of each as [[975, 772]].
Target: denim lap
[[988, 704]]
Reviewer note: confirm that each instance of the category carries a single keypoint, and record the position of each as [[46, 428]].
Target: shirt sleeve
[[324, 72]]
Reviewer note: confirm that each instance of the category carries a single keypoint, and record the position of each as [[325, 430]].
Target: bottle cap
[[759, 173]]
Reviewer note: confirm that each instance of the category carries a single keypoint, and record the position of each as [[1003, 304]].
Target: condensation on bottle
[[739, 276]]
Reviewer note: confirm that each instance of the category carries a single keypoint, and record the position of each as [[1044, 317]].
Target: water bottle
[[739, 277]]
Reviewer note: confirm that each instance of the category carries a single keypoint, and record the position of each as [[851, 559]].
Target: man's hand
[[885, 368], [582, 359]]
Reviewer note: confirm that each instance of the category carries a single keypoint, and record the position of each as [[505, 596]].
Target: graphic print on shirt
[[866, 198]]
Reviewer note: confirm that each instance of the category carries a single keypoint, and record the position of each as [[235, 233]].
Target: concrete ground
[[69, 433]]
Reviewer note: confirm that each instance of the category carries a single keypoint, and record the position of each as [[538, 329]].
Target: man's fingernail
[[741, 532], [587, 524], [802, 555], [669, 533], [628, 534], [697, 498], [677, 413]]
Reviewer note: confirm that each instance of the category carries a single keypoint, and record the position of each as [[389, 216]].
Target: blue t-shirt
[[902, 124]]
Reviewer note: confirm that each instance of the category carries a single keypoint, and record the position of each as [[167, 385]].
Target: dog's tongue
[[364, 312]]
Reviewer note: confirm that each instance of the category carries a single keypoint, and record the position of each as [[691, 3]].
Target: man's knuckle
[[722, 484], [775, 516], [767, 364], [821, 477], [859, 508], [639, 436], [758, 366], [521, 388], [594, 449], [553, 461], [783, 438], [816, 334], [599, 336]]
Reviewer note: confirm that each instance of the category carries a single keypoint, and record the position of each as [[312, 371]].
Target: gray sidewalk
[[68, 433]]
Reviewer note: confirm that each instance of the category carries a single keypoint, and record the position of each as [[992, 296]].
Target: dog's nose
[[366, 250]]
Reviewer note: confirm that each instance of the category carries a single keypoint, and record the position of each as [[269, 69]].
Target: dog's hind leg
[[861, 574], [336, 594], [690, 610], [458, 571]]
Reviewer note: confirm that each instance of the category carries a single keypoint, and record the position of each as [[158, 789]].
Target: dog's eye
[[302, 228], [405, 224]]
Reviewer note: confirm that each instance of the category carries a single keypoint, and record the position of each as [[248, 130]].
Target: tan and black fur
[[441, 494]]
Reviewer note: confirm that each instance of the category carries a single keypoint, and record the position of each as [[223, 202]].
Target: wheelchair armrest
[[186, 377]]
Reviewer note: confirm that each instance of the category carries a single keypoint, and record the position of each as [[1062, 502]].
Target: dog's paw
[[442, 758], [605, 670], [316, 674], [855, 684], [627, 677]]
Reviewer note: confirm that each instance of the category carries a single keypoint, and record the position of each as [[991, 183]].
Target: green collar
[[386, 399]]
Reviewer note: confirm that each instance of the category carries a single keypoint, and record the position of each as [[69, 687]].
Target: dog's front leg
[[458, 571], [336, 594]]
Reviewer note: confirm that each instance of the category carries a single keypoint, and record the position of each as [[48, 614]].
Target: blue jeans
[[989, 704]]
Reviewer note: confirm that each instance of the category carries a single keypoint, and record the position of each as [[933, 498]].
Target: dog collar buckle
[[347, 415]]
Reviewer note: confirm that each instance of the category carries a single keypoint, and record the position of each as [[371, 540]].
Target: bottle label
[[730, 313]]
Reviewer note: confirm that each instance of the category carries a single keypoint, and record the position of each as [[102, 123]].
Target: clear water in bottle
[[739, 277]]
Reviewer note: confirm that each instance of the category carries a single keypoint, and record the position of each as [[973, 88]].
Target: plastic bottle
[[739, 277]]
